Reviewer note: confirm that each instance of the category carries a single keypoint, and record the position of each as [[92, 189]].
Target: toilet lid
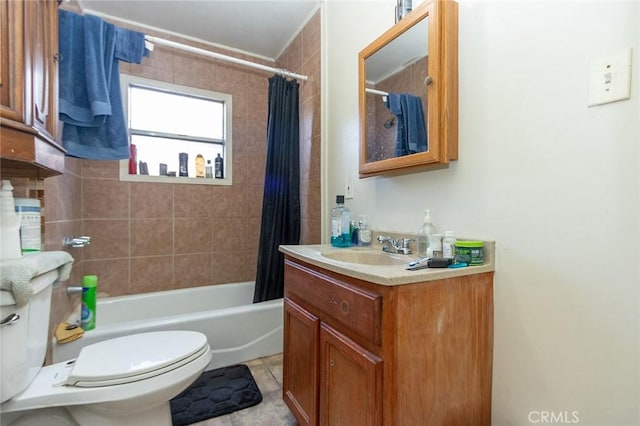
[[135, 357]]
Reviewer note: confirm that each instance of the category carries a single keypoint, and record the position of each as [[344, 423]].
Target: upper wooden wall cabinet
[[29, 89], [417, 56]]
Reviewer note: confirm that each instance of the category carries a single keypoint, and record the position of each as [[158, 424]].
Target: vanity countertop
[[388, 275]]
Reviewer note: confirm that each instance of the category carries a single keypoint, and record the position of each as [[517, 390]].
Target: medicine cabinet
[[408, 93]]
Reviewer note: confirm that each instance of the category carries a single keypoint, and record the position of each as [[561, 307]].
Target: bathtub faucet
[[391, 245]]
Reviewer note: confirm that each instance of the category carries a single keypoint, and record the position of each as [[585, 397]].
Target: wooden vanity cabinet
[[29, 89], [358, 353]]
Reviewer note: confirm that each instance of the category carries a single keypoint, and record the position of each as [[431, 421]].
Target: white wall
[[555, 183]]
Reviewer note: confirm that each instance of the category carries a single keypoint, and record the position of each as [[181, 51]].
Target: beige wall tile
[[113, 276], [150, 200], [105, 198], [151, 274], [228, 234], [109, 238], [151, 237], [192, 236], [101, 169], [231, 266], [193, 270], [192, 200], [63, 197]]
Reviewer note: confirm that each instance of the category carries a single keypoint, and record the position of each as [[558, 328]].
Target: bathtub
[[237, 329]]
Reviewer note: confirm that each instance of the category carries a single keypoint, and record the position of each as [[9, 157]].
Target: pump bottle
[[425, 230]]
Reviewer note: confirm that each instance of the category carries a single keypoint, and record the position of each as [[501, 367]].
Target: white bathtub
[[237, 329]]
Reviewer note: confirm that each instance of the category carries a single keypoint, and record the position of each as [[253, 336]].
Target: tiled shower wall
[[148, 237], [303, 56]]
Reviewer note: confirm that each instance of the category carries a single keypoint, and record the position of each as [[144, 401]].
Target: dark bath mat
[[215, 393]]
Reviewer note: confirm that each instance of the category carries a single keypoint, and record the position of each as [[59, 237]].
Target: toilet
[[128, 380]]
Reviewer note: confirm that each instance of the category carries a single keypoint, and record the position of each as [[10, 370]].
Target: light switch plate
[[348, 187], [610, 78]]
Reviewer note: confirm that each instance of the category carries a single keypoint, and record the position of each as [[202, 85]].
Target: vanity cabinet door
[[300, 366], [350, 382]]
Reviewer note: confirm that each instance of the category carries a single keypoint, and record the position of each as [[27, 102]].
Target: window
[[177, 131]]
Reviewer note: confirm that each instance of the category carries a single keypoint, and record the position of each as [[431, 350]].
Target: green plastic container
[[470, 252], [89, 290]]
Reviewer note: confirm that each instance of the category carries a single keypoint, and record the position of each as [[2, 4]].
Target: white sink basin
[[366, 257]]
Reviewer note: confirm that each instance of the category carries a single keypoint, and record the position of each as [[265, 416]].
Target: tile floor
[[272, 411]]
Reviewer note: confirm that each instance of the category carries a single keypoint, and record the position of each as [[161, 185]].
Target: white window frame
[[126, 80]]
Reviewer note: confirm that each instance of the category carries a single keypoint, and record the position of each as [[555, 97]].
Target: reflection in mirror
[[396, 96]]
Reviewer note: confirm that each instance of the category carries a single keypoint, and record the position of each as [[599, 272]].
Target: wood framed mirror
[[408, 93]]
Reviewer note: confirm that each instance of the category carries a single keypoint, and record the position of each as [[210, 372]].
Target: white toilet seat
[[45, 390], [135, 357]]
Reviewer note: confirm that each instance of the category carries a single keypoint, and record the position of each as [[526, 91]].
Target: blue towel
[[130, 46], [90, 99], [87, 46], [411, 134]]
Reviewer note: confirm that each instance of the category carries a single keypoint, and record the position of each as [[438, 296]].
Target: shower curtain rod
[[377, 92], [220, 56]]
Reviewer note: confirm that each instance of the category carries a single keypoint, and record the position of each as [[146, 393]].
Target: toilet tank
[[23, 343]]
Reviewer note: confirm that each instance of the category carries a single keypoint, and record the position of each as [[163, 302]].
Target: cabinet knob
[[331, 363], [57, 57]]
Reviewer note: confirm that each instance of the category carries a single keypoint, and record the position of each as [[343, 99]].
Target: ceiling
[[259, 27]]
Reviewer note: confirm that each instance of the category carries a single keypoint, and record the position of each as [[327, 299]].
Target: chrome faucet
[[391, 245]]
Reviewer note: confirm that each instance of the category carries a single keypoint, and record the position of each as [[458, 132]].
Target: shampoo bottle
[[89, 290], [9, 224], [219, 167], [425, 230], [199, 166]]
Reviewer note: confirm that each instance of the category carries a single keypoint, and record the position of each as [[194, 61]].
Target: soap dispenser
[[425, 230], [9, 224]]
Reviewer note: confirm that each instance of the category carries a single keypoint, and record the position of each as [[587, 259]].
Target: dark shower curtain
[[281, 201]]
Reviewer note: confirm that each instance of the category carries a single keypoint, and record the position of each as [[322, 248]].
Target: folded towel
[[16, 274], [66, 332], [130, 46], [94, 124]]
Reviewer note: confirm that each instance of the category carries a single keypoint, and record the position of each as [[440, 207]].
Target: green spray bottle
[[89, 290]]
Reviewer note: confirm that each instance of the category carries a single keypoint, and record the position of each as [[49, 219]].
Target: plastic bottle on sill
[[208, 170], [219, 163], [199, 166]]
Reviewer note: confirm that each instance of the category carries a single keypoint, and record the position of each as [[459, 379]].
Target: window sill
[[126, 177]]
